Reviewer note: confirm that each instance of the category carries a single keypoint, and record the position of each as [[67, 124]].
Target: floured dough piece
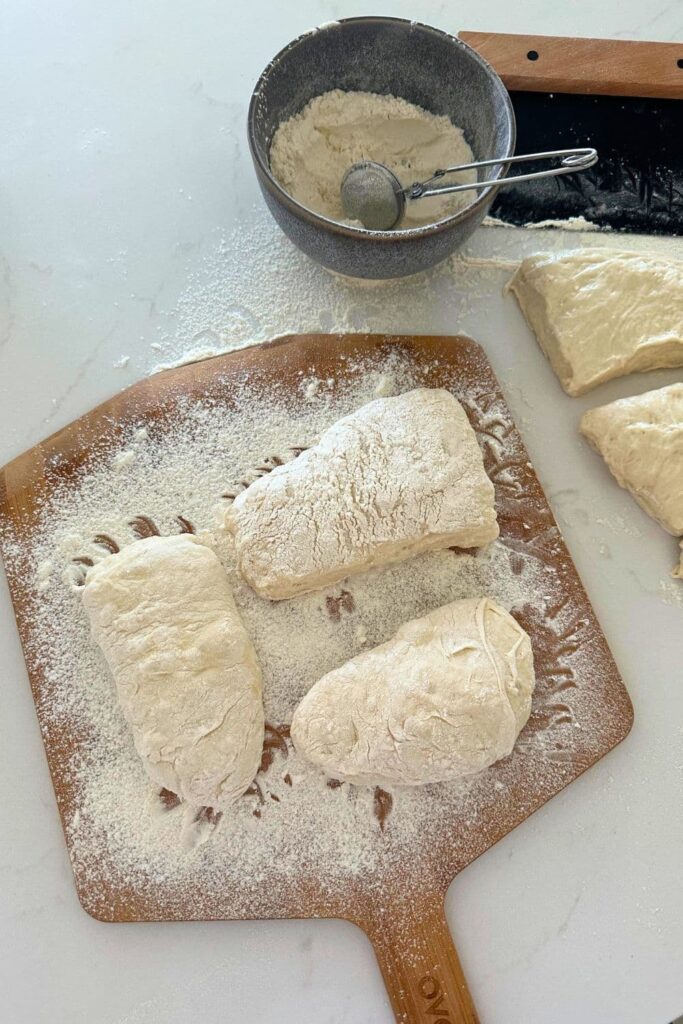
[[186, 673], [641, 440], [445, 697], [600, 314], [399, 476]]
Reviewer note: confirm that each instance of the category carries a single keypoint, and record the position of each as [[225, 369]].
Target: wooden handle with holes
[[419, 963], [612, 67]]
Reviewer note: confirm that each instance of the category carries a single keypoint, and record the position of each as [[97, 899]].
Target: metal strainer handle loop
[[571, 161]]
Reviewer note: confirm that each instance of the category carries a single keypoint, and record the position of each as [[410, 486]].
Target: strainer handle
[[572, 161]]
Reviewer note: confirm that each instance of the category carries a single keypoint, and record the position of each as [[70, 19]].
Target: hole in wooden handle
[[532, 55]]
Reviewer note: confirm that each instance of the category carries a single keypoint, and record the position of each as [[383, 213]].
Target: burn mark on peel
[[208, 814], [83, 560], [464, 551], [333, 783], [255, 790], [549, 716], [507, 485], [185, 525], [275, 738], [143, 527], [287, 779], [335, 605], [552, 646], [561, 756], [381, 805], [269, 464], [516, 562], [103, 540], [169, 799]]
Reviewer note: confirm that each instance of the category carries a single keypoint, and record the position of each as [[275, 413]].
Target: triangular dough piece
[[641, 440], [599, 314], [445, 697], [399, 476]]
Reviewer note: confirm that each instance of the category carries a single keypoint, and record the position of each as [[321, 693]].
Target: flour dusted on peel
[[290, 824], [312, 150]]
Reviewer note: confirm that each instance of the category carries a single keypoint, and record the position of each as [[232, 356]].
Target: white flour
[[311, 151]]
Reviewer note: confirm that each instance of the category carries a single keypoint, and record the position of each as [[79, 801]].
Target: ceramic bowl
[[390, 56]]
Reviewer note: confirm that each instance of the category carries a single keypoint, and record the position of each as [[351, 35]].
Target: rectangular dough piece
[[398, 476], [641, 440], [599, 314], [185, 670]]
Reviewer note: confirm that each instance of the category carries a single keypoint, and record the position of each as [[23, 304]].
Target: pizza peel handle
[[419, 962]]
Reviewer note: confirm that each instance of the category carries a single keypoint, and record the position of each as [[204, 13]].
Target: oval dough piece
[[399, 476], [445, 697], [600, 314], [641, 440], [186, 673]]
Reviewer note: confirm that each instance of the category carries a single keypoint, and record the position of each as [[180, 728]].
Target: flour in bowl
[[311, 151]]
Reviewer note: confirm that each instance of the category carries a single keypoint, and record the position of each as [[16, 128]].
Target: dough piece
[[397, 477], [446, 696], [641, 440], [185, 670], [600, 314]]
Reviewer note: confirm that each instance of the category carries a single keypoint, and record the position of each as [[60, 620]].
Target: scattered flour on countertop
[[312, 150], [251, 284], [294, 824]]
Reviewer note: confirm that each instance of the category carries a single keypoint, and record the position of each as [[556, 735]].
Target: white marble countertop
[[131, 232]]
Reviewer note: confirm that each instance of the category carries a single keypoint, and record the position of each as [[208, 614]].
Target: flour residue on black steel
[[637, 184]]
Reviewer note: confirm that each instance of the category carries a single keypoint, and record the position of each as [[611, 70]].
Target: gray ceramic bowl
[[382, 55]]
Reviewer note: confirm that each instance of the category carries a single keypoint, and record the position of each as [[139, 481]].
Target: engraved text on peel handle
[[420, 965]]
